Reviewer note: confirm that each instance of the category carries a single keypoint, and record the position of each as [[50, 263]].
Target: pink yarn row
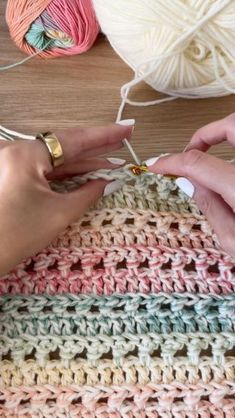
[[204, 409], [122, 269], [102, 283], [115, 397]]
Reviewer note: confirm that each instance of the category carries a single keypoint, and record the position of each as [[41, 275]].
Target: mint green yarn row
[[128, 302], [119, 347], [84, 315]]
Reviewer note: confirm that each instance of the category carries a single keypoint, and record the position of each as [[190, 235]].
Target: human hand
[[31, 214], [212, 180]]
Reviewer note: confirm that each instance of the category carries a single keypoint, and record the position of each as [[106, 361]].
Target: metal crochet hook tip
[[137, 170]]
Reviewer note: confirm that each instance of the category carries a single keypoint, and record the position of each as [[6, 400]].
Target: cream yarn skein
[[183, 48]]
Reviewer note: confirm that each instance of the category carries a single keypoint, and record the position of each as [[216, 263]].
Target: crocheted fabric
[[130, 313]]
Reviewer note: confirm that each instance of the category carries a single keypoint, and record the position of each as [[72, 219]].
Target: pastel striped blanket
[[129, 313]]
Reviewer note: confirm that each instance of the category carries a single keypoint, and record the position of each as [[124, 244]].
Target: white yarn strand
[[181, 48], [9, 135]]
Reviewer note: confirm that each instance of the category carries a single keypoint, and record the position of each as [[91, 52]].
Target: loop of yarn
[[54, 27], [182, 49]]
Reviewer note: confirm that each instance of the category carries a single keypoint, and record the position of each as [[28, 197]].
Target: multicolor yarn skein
[[56, 27]]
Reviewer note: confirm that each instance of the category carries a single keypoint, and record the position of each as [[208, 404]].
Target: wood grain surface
[[85, 90]]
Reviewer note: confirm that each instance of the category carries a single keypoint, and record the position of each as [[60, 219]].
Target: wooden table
[[85, 90]]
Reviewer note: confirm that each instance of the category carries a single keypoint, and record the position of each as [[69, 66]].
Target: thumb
[[74, 204]]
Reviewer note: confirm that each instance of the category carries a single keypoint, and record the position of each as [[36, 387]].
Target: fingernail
[[186, 186], [127, 122], [112, 187], [116, 161], [152, 161]]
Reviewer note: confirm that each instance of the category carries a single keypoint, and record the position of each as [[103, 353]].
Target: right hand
[[213, 179]]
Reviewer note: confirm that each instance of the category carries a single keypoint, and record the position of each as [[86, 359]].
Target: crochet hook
[[137, 170], [139, 167]]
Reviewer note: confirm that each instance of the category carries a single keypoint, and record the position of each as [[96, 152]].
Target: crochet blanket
[[129, 313]]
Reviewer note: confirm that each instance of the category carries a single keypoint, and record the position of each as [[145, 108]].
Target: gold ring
[[54, 147]]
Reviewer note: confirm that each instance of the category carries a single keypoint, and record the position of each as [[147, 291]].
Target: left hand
[[31, 214]]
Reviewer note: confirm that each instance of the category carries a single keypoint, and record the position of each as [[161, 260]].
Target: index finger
[[214, 133], [78, 142]]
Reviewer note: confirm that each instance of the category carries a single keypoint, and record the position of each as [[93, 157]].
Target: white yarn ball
[[185, 48]]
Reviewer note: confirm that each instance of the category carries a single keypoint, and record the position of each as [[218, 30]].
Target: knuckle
[[14, 162], [11, 154], [191, 159], [204, 203], [78, 132]]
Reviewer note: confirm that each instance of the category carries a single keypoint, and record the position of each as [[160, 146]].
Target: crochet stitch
[[129, 313]]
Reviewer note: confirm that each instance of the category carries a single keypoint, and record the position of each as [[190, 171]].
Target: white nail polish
[[112, 187], [127, 122], [116, 161], [153, 160], [186, 186]]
